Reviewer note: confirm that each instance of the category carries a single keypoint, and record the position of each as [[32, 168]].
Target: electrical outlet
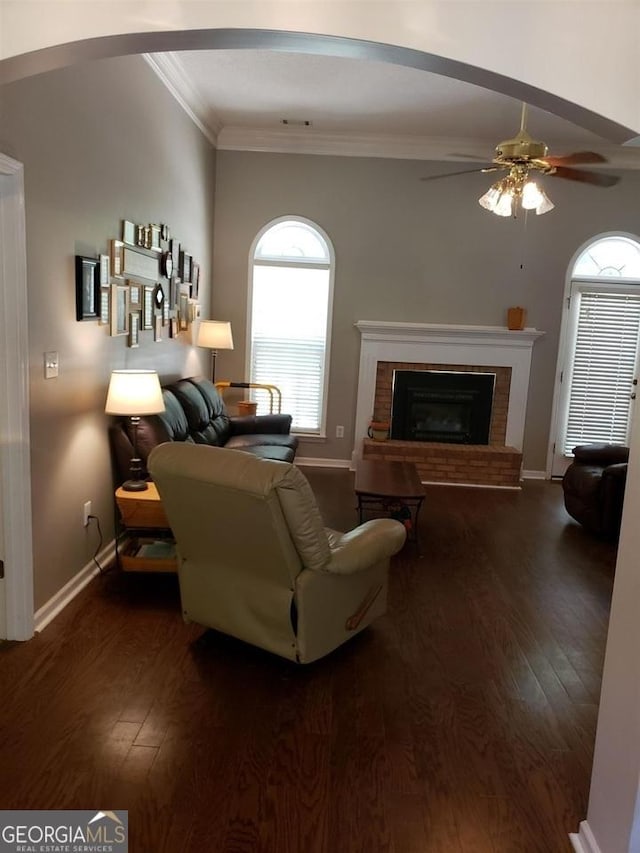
[[339, 432], [86, 512]]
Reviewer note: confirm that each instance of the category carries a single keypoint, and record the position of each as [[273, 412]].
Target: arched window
[[600, 363], [291, 294], [609, 257]]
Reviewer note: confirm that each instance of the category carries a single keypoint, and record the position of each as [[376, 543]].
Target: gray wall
[[410, 251], [100, 142], [105, 141]]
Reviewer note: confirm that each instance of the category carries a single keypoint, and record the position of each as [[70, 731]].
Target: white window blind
[[296, 367], [603, 369], [291, 290]]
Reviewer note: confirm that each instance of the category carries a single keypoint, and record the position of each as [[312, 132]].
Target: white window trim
[[331, 266], [566, 333]]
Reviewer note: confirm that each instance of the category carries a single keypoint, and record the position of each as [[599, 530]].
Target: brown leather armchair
[[594, 487]]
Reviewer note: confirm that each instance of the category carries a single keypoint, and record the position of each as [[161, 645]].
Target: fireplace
[[442, 406], [390, 347]]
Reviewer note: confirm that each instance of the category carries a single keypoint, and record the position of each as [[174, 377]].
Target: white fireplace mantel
[[445, 344]]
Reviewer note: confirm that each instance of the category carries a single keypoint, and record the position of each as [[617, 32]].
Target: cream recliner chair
[[256, 562]]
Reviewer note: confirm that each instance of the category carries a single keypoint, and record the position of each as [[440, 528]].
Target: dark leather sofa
[[594, 485], [195, 413]]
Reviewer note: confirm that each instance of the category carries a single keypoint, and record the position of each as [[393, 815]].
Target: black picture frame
[[158, 296], [87, 288]]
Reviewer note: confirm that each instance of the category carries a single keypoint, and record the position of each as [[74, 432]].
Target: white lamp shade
[[134, 392], [215, 334]]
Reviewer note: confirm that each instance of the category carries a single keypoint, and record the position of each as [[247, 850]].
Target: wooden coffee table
[[380, 486]]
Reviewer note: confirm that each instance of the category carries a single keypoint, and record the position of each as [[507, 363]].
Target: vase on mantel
[[378, 430], [516, 318]]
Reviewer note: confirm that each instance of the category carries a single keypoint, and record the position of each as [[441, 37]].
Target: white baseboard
[[319, 462], [534, 475], [583, 841], [59, 601]]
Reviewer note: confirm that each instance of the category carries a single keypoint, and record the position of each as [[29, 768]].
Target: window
[[603, 369], [602, 352], [290, 318]]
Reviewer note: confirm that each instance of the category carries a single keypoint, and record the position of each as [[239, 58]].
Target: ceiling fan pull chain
[[523, 239]]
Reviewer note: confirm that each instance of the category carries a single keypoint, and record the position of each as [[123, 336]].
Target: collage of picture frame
[[147, 281]]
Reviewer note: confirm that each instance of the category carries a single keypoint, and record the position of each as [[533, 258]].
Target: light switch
[[50, 365]]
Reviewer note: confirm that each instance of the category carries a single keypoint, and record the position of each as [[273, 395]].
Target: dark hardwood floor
[[461, 722]]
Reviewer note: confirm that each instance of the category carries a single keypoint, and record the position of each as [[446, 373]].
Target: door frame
[[15, 462], [563, 343]]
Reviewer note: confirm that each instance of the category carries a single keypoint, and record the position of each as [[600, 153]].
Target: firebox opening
[[442, 406]]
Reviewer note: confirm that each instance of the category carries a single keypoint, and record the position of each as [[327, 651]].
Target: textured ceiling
[[259, 88]]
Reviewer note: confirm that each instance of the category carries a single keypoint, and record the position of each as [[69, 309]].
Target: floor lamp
[[214, 335], [133, 393]]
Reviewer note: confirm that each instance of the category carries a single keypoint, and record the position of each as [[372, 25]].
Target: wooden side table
[[147, 544], [380, 484]]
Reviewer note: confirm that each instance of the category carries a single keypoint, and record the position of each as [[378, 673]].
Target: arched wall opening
[[56, 57], [48, 59]]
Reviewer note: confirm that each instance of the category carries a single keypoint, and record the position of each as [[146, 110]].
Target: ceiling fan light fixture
[[534, 198], [504, 207], [503, 197], [531, 196], [499, 198], [490, 199], [524, 158], [545, 204]]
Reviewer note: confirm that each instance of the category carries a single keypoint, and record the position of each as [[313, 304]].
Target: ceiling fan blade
[[598, 179], [575, 159], [467, 157], [452, 174]]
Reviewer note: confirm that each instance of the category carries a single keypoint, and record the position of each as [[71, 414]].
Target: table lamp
[[134, 393], [215, 335]]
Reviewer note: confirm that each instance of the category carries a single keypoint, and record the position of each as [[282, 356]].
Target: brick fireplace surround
[[387, 347]]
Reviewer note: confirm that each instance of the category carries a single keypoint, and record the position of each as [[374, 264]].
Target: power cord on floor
[[101, 569]]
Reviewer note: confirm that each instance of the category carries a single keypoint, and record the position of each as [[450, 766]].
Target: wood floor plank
[[461, 722]]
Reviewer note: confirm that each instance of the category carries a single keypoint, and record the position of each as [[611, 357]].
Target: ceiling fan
[[522, 157]]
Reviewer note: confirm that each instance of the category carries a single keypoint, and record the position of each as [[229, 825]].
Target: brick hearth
[[474, 464], [486, 465]]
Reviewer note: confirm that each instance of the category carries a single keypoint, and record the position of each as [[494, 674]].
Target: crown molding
[[172, 73], [294, 140]]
